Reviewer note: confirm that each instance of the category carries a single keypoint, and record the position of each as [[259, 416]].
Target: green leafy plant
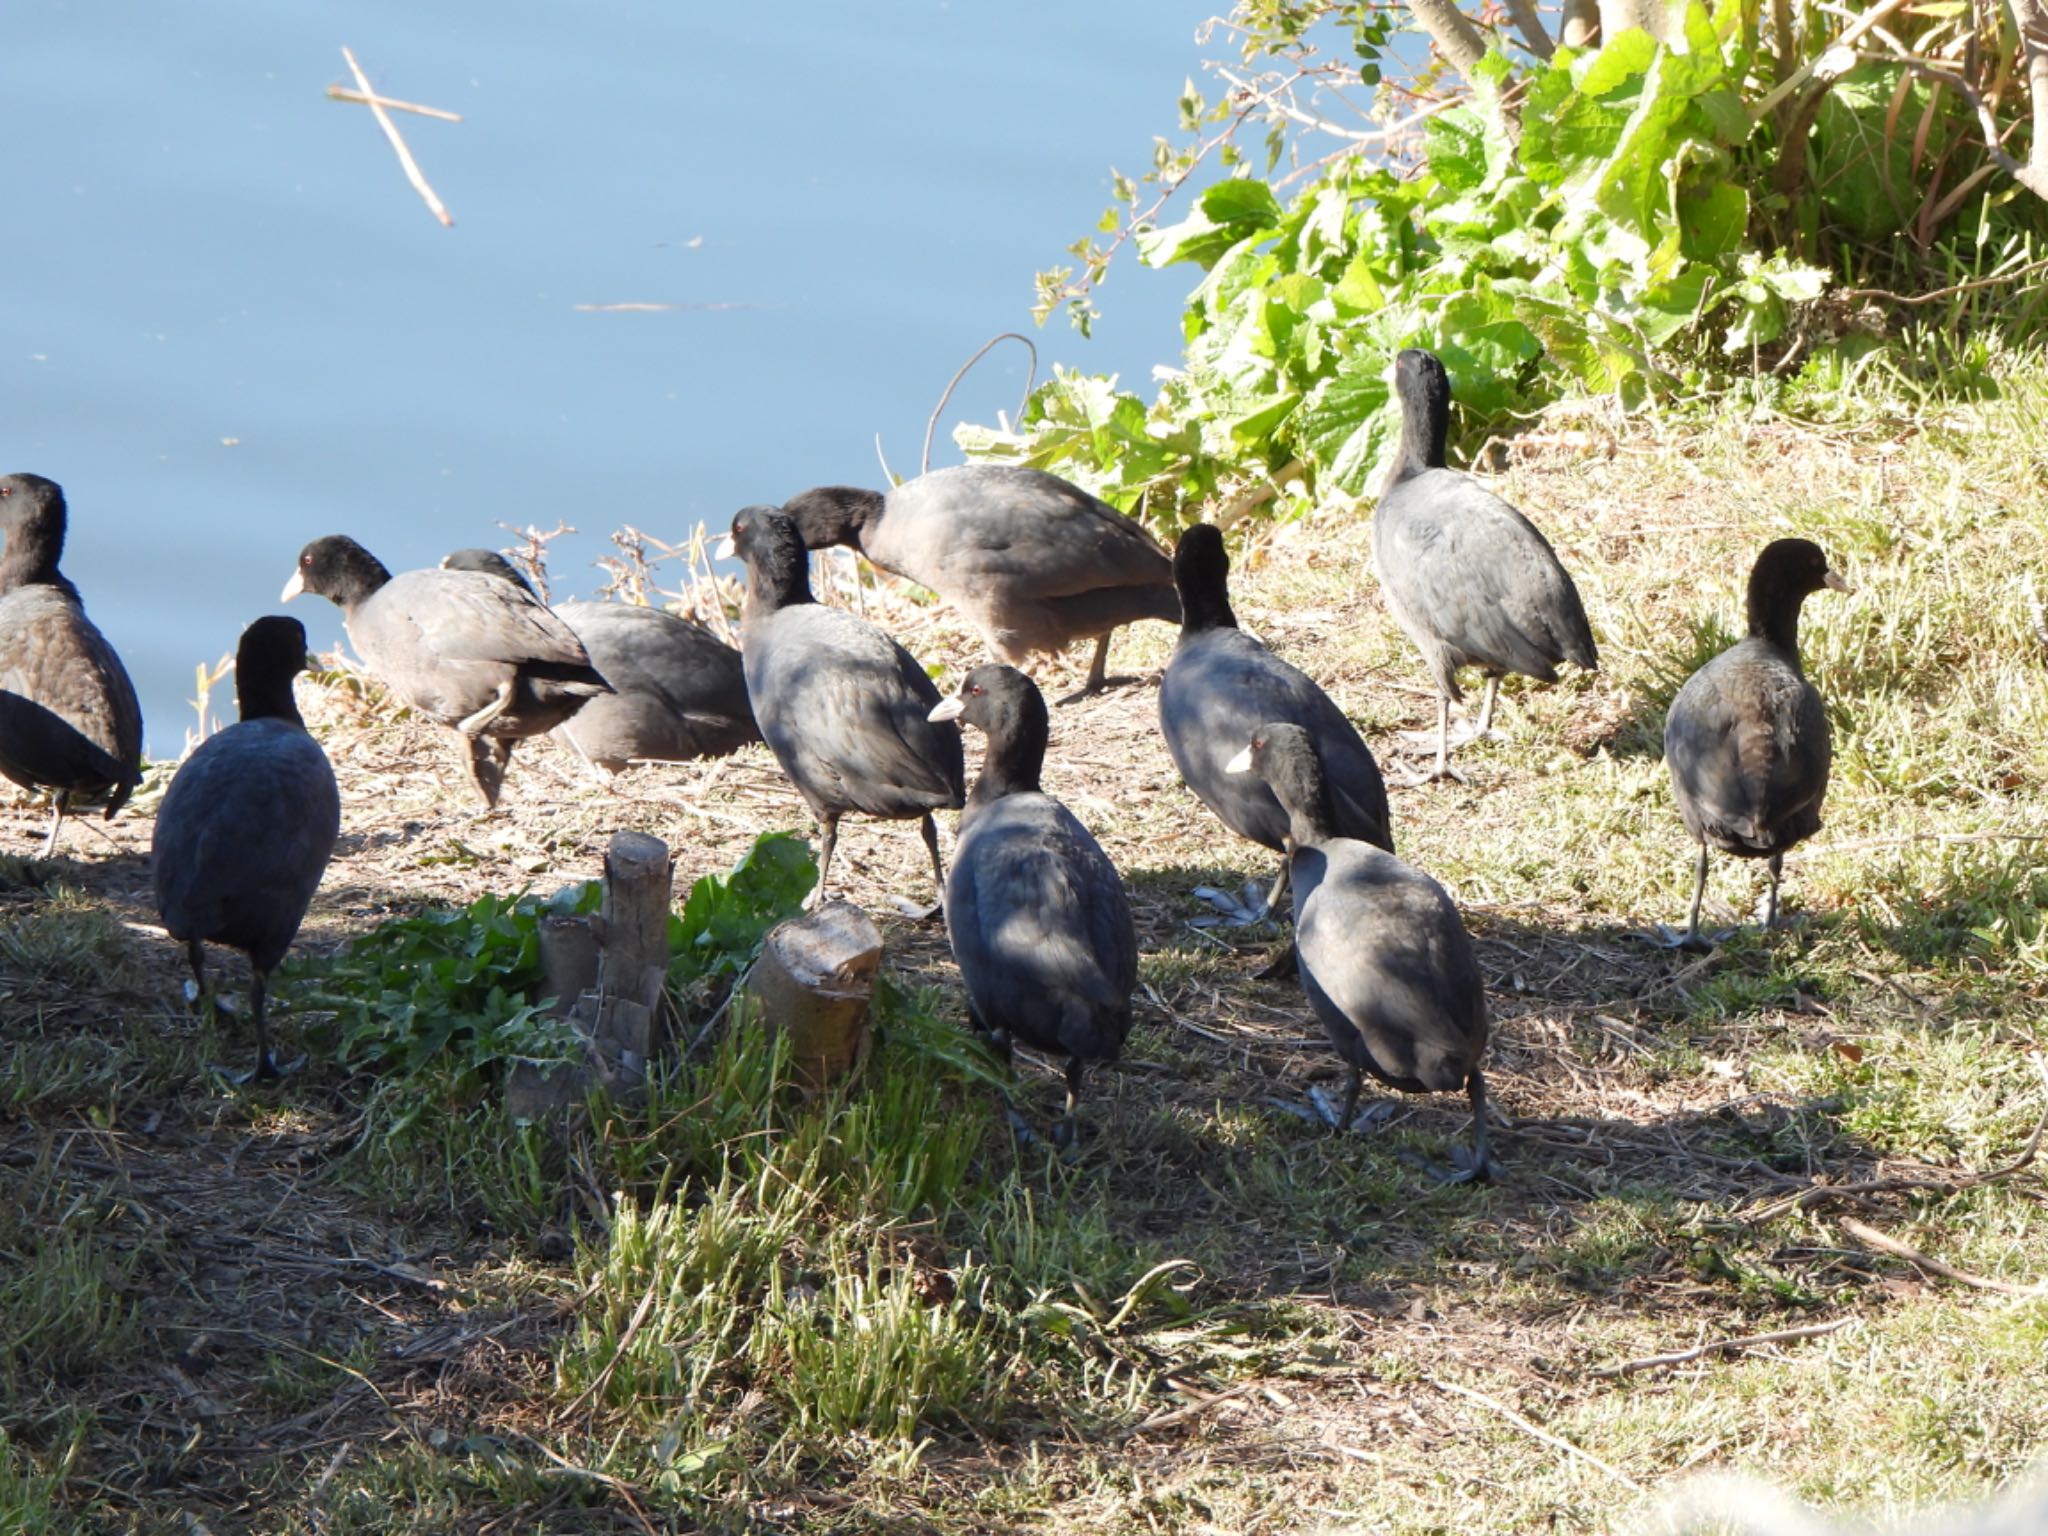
[[1638, 218], [456, 989]]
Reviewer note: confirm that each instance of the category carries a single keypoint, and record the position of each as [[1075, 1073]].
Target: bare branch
[[405, 160], [1453, 32], [1529, 22], [1579, 26]]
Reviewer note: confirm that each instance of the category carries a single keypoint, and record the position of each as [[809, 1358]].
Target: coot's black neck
[[778, 575], [352, 577], [1774, 611], [1016, 752], [30, 558], [1425, 395], [1201, 575], [264, 693], [833, 514]]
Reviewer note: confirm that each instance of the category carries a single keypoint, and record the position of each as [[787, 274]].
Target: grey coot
[[841, 705], [1037, 915], [246, 829], [69, 722], [1747, 738], [679, 692], [1222, 684], [1384, 957], [1465, 574], [1033, 562], [472, 652]]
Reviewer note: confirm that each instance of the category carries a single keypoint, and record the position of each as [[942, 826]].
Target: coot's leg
[[1285, 962], [57, 809], [828, 839], [929, 829], [500, 702], [1063, 1129], [1098, 674], [1486, 709], [485, 757], [195, 956], [1777, 867], [1443, 769], [1692, 940], [1476, 1165]]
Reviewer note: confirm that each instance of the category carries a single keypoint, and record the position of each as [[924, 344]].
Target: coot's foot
[[1329, 1108], [1239, 911]]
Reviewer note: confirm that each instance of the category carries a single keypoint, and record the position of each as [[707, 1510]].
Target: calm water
[[231, 326]]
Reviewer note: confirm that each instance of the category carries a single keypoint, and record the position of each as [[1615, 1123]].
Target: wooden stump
[[814, 979], [607, 974]]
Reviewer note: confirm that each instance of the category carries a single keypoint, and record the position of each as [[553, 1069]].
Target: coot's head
[[1424, 390], [998, 700], [778, 565], [272, 652], [1785, 574], [32, 522], [1285, 756], [832, 514], [486, 562], [337, 568], [1201, 574]]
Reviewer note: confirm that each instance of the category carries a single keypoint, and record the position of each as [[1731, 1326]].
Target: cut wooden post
[[608, 973], [814, 980]]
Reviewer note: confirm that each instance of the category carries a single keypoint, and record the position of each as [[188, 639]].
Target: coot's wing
[[977, 526], [1472, 570], [844, 708], [684, 666], [68, 712], [467, 616], [1044, 917]]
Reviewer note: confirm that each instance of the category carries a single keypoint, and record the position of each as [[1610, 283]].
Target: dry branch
[[343, 93], [411, 167], [1870, 1237], [1556, 1442], [1720, 1347]]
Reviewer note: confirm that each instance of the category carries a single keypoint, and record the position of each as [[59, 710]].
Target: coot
[[843, 707], [1385, 959], [1033, 562], [245, 830], [679, 692], [472, 652], [1037, 915], [1747, 738], [1465, 574], [69, 721], [1222, 684]]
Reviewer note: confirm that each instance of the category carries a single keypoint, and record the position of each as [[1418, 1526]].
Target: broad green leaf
[[1714, 216], [1455, 144], [1242, 201], [1346, 424]]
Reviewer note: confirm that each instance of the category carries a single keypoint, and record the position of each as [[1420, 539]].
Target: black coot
[[1466, 575], [679, 692], [1747, 739], [69, 722], [1033, 562], [475, 653], [1385, 959], [1036, 912], [1221, 685], [245, 831], [842, 706]]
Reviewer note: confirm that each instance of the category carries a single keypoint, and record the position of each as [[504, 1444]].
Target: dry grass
[[250, 1318]]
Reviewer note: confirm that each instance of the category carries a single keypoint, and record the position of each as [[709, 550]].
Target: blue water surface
[[230, 326]]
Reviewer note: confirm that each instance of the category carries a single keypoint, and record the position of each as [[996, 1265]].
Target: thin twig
[[1992, 281], [343, 93], [411, 167], [1557, 1442], [1720, 1347], [931, 426], [1870, 1237]]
